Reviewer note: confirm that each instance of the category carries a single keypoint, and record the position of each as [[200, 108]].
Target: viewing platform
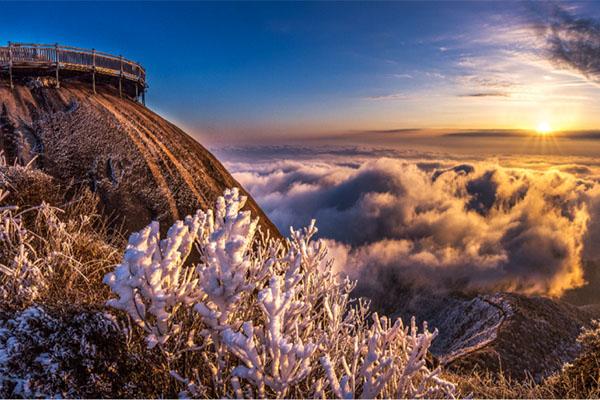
[[65, 62]]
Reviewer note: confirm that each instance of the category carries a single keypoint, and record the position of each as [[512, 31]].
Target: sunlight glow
[[543, 128]]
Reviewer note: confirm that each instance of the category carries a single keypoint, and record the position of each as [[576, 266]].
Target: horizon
[[237, 72]]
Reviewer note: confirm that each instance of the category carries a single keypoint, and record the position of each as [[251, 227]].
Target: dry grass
[[579, 380], [58, 231], [81, 248], [486, 385]]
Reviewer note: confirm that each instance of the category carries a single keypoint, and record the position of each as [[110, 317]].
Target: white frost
[[267, 318]]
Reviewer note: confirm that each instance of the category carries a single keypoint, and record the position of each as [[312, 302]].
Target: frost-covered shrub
[[373, 368], [151, 281], [66, 354], [258, 317], [227, 270]]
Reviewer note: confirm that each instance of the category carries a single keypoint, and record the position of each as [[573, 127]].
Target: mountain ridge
[[521, 336]]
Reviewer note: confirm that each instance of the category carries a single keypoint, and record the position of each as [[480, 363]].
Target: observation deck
[[65, 62]]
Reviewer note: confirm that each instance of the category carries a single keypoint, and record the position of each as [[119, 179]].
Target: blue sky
[[242, 69]]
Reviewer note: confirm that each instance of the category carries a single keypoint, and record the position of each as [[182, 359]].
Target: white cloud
[[391, 96], [438, 223]]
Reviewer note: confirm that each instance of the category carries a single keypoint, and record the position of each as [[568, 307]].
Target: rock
[[142, 167]]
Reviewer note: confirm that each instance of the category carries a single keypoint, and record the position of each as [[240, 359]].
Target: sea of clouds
[[429, 221], [401, 221]]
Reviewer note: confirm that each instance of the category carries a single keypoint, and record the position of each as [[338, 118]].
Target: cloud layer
[[572, 42], [437, 224]]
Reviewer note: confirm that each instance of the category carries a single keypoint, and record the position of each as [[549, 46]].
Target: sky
[[235, 72], [438, 144]]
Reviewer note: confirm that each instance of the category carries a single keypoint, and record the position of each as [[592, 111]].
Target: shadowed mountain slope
[[519, 335], [142, 166]]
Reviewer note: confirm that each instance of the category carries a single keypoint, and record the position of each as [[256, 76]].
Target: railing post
[[57, 64], [94, 70], [10, 64], [121, 78]]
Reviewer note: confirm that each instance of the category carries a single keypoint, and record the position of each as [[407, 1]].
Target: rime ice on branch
[[267, 319], [152, 282], [227, 269]]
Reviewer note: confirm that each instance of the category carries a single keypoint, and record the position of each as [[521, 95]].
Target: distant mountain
[[141, 166]]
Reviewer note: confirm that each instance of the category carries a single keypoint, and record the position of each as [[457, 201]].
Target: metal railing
[[31, 56]]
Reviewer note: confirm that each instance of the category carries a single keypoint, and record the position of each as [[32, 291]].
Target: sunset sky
[[239, 70], [451, 143]]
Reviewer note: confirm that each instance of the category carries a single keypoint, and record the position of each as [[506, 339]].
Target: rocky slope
[[520, 335], [142, 166]]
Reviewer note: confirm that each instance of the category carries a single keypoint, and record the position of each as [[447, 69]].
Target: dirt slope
[[142, 166]]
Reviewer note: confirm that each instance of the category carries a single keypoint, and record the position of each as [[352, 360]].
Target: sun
[[543, 128]]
